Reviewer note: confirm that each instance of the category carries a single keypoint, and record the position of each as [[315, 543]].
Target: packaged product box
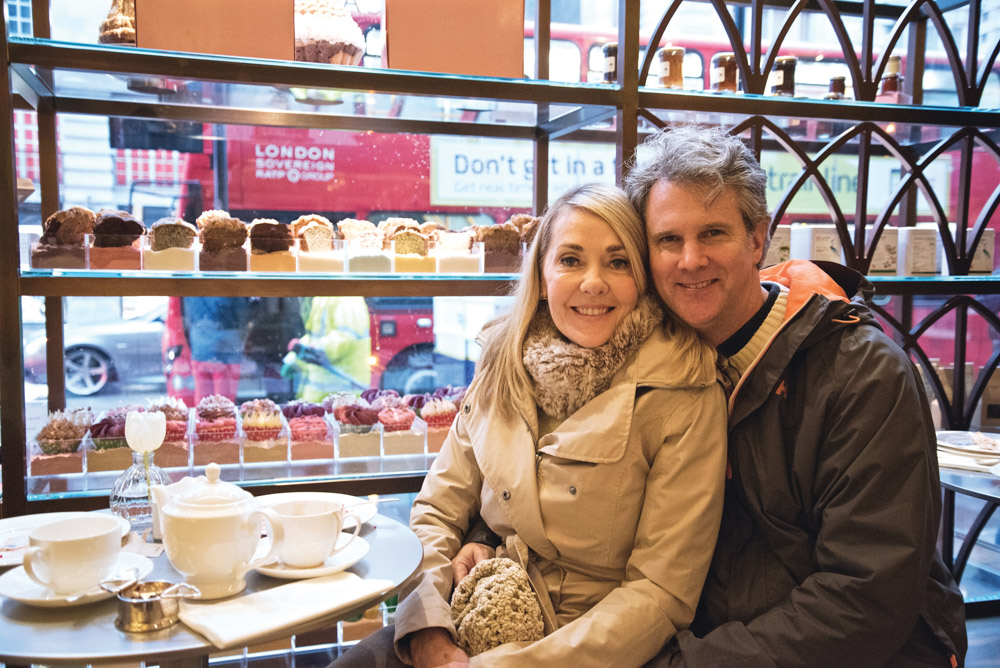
[[242, 28], [475, 37], [780, 249], [815, 242], [885, 257], [982, 257], [917, 251]]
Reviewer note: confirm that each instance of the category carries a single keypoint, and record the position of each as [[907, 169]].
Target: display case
[[802, 141]]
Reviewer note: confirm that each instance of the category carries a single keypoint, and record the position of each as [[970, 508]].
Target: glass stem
[[145, 466]]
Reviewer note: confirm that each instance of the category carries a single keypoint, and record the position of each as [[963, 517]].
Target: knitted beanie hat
[[494, 604]]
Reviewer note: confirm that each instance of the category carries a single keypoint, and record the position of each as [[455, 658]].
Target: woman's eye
[[569, 261], [620, 263]]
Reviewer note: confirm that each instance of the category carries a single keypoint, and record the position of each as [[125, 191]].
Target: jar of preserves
[[892, 80], [782, 79], [611, 62], [672, 66], [723, 74]]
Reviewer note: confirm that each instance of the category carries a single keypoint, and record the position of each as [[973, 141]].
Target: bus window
[[564, 60]]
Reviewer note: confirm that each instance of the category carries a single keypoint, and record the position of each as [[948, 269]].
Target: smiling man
[[827, 552]]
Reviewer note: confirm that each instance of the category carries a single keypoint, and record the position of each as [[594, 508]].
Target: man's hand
[[470, 555], [433, 648]]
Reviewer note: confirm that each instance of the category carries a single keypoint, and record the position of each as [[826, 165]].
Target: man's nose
[[692, 256]]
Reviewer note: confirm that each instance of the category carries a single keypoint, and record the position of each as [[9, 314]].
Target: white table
[[87, 633]]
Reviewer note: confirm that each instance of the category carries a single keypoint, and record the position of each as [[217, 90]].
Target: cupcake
[[326, 33], [109, 448], [438, 413], [358, 434], [262, 426], [59, 443], [270, 246], [501, 247], [526, 225], [335, 400], [222, 238], [379, 399], [170, 246], [310, 432], [61, 245], [175, 449], [316, 244], [402, 434], [215, 431], [119, 26], [115, 236]]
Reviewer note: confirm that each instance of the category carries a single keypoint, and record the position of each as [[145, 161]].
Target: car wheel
[[87, 371]]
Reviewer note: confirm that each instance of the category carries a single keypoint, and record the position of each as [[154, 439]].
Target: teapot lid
[[214, 493]]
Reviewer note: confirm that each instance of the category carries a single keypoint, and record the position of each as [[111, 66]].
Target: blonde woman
[[592, 442]]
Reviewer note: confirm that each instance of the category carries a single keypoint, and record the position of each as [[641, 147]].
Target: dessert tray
[[335, 563], [17, 586], [354, 506], [14, 533]]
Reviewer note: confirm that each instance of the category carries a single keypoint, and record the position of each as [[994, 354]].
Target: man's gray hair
[[706, 159]]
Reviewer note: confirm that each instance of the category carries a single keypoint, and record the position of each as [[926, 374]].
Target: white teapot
[[211, 530]]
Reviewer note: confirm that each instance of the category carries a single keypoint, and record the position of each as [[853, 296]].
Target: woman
[[592, 442]]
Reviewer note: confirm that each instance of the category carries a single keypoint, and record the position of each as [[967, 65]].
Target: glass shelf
[[55, 283], [159, 84]]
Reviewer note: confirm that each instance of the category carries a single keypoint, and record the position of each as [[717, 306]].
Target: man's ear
[[757, 241]]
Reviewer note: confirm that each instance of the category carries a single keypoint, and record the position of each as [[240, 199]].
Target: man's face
[[704, 264]]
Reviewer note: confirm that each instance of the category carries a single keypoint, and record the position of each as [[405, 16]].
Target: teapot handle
[[275, 530]]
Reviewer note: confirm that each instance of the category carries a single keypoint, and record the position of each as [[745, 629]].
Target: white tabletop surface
[[87, 634]]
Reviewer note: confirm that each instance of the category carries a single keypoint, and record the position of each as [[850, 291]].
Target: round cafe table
[[87, 633]]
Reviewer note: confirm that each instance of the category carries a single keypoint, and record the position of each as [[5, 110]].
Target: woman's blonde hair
[[501, 381]]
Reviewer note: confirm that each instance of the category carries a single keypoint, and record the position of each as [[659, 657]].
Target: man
[[826, 555]]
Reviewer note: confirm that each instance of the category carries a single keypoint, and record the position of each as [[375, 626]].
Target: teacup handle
[[36, 554], [357, 529], [275, 530]]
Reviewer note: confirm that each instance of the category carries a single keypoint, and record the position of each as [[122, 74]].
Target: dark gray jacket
[[826, 556]]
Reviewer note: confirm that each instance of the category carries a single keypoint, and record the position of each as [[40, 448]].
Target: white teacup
[[312, 528], [73, 556]]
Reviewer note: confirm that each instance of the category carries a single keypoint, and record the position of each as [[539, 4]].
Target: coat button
[[505, 495], [467, 409], [572, 489]]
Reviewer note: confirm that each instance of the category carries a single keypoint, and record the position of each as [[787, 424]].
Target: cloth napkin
[[952, 460], [241, 620]]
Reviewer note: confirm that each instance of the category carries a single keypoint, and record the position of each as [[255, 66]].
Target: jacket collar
[[817, 301]]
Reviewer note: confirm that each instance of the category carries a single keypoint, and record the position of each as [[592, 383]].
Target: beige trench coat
[[615, 517]]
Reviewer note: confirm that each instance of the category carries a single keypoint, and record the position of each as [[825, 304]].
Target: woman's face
[[587, 278]]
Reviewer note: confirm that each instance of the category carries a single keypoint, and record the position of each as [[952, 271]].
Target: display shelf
[[54, 77], [247, 284]]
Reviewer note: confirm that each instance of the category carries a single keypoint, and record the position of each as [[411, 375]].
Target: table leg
[[970, 538], [948, 529]]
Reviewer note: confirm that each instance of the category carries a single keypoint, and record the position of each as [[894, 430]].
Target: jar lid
[[785, 59]]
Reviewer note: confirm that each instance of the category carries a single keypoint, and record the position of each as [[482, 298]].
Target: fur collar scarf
[[566, 376]]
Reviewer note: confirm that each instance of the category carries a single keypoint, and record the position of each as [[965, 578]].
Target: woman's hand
[[433, 648], [470, 555]]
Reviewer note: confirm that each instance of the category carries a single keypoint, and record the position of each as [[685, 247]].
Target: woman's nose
[[594, 282]]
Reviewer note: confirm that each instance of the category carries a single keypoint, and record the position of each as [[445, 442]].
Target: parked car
[[98, 353]]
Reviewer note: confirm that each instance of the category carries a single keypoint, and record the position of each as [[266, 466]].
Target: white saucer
[[17, 586], [14, 532], [353, 505], [335, 563]]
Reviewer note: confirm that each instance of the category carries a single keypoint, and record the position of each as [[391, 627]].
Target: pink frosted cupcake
[[215, 432], [358, 435], [402, 433], [310, 432], [438, 414]]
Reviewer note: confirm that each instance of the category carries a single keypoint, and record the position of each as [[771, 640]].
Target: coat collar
[[598, 433]]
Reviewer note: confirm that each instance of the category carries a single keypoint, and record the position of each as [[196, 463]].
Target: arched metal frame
[[861, 230]]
